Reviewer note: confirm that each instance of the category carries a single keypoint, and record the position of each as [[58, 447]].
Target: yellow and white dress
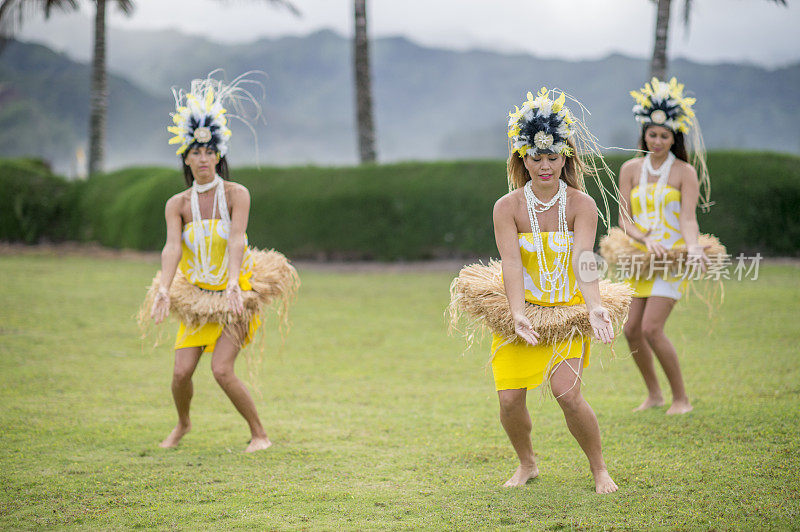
[[662, 209], [519, 364], [214, 238]]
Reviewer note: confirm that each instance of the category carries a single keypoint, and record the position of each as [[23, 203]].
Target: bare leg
[[222, 362], [655, 316], [517, 423], [581, 421], [186, 360], [642, 355]]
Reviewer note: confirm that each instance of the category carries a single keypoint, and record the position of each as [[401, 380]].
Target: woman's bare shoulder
[[178, 200], [630, 168], [234, 189], [508, 203], [686, 170], [580, 201]]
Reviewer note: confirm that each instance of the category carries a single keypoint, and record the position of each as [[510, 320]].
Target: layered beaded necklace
[[555, 279], [658, 196], [205, 269]]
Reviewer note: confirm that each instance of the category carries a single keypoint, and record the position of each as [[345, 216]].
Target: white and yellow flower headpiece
[[545, 125], [663, 104], [541, 125], [200, 117]]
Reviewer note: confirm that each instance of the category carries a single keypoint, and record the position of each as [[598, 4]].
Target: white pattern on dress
[[664, 224], [194, 270], [557, 243]]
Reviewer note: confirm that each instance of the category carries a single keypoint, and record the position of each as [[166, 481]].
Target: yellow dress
[[215, 232], [519, 364], [663, 214]]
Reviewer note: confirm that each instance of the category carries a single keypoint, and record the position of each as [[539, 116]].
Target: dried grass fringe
[[478, 299], [274, 281], [617, 246], [478, 302]]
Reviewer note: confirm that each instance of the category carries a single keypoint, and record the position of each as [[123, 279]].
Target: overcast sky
[[752, 31]]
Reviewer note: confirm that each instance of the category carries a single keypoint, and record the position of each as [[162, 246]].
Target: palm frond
[[288, 5], [126, 6], [687, 14], [13, 13]]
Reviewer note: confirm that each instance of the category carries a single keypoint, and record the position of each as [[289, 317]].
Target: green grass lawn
[[377, 418]]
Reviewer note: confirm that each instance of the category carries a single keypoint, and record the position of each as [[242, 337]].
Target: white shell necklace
[[555, 279], [658, 196], [204, 272]]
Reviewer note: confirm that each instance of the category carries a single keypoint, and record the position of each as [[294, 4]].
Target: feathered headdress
[[200, 117], [663, 104], [546, 125], [542, 125]]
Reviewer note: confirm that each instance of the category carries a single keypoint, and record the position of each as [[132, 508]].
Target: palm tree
[[658, 64], [98, 98], [363, 81], [13, 14]]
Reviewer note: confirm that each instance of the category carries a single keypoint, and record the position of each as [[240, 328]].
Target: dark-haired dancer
[[206, 253], [660, 194]]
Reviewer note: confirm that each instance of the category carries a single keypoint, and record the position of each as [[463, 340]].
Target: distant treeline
[[405, 211]]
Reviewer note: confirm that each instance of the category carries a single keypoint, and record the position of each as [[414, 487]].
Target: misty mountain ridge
[[429, 103]]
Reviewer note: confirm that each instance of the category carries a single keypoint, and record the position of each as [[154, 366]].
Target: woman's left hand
[[234, 295], [600, 320], [697, 255], [160, 308]]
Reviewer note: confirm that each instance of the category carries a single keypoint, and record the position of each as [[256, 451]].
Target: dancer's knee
[[182, 376], [568, 394], [223, 373], [652, 331], [511, 403], [632, 331]]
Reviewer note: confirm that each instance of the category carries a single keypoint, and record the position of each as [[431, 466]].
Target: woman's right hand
[[160, 306], [600, 320], [654, 247], [522, 326]]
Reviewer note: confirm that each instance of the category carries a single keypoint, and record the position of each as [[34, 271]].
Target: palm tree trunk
[[366, 128], [658, 65], [98, 100]]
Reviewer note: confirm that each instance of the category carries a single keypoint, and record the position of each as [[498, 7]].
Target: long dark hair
[[222, 170], [678, 147]]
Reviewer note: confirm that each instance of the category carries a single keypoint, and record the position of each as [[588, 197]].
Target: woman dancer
[[660, 194], [544, 230], [221, 284]]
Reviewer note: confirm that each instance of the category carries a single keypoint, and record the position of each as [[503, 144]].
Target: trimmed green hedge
[[402, 211], [35, 205]]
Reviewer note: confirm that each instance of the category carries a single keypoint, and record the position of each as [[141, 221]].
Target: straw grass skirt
[[617, 249], [478, 302], [205, 313], [666, 276]]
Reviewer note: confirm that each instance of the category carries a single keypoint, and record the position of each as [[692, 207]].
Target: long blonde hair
[[572, 173]]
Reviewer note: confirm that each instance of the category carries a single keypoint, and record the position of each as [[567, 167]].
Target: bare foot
[[258, 444], [175, 436], [603, 483], [650, 402], [522, 475], [680, 407]]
